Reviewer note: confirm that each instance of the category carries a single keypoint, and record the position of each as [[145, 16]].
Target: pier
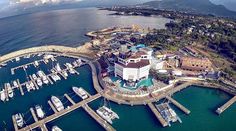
[[226, 105], [43, 127], [6, 92], [177, 104], [35, 84], [33, 114], [69, 99], [96, 117], [52, 107], [158, 115], [14, 123], [20, 87], [59, 114]]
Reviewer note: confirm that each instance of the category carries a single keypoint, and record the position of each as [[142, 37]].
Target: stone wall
[[50, 48]]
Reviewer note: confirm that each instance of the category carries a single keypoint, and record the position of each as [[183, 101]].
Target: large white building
[[133, 66]]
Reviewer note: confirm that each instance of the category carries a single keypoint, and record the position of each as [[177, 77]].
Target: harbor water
[[67, 27]]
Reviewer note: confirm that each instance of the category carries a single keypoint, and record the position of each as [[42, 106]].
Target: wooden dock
[[59, 114], [158, 115], [226, 105], [6, 92], [177, 104], [20, 87], [52, 107], [34, 115], [69, 99], [96, 117], [14, 123], [43, 127]]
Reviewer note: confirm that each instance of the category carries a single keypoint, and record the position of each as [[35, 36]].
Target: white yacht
[[9, 90], [45, 80], [34, 76], [71, 70], [54, 77], [65, 73], [58, 68], [15, 84], [17, 59], [80, 92], [36, 63], [28, 87], [39, 82], [32, 85], [40, 73], [56, 128], [57, 103], [39, 111], [19, 120], [3, 95]]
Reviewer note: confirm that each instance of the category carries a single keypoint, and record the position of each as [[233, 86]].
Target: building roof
[[195, 63], [139, 64]]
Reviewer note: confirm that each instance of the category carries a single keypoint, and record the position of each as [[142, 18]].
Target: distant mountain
[[193, 6]]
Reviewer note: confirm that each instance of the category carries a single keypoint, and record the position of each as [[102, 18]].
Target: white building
[[133, 66]]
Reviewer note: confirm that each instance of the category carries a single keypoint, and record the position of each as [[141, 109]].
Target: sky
[[4, 3]]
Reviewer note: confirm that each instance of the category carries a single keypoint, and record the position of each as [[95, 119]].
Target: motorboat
[[36, 63], [58, 68], [80, 92], [19, 119], [39, 111], [3, 95], [39, 82], [45, 80], [34, 77], [56, 128], [15, 84], [57, 103], [9, 90]]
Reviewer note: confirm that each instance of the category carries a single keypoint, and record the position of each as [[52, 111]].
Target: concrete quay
[[177, 104], [158, 115], [226, 105]]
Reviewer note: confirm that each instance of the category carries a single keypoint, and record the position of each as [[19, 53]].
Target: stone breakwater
[[50, 48]]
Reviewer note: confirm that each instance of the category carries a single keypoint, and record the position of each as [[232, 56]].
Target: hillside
[[193, 6]]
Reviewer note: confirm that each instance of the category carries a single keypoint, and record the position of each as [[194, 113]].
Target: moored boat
[[19, 119], [56, 128], [39, 111], [57, 103], [15, 84], [3, 95], [80, 92], [39, 82], [9, 90]]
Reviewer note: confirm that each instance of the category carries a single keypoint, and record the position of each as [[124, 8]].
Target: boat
[[53, 77], [9, 90], [68, 65], [28, 87], [58, 68], [17, 59], [3, 95], [15, 84], [65, 73], [167, 113], [32, 85], [57, 77], [19, 119], [39, 111], [45, 80], [40, 73], [57, 103], [56, 128], [34, 76], [71, 70], [80, 92], [36, 63], [39, 82], [106, 113]]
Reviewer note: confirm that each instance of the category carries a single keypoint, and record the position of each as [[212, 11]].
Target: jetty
[[69, 99], [20, 87], [52, 107], [33, 114], [158, 115], [226, 105], [57, 114], [177, 104], [96, 117], [35, 84]]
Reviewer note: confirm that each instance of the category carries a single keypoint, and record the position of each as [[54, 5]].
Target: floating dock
[[14, 123], [158, 115], [21, 90], [52, 106], [95, 116], [6, 92], [226, 105], [69, 99], [33, 114], [35, 84], [59, 114], [177, 104], [43, 127]]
